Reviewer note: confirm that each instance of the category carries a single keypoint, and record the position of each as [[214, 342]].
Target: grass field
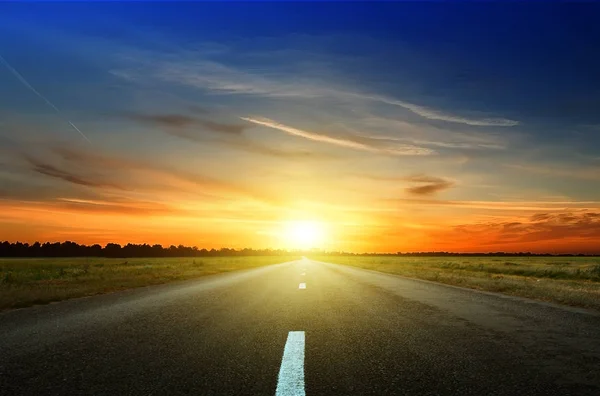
[[565, 280], [30, 281]]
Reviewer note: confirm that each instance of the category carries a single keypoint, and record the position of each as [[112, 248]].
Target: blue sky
[[313, 102]]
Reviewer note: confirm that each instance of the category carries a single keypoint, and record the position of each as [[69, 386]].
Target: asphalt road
[[356, 332]]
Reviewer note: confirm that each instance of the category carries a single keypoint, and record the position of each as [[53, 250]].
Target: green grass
[[30, 281], [565, 280]]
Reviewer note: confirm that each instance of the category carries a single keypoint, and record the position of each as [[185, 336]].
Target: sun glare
[[304, 234]]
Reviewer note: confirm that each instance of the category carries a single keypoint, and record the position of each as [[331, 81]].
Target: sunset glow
[[304, 234], [190, 126]]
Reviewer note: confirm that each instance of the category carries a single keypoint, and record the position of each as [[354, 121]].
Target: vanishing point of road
[[300, 328]]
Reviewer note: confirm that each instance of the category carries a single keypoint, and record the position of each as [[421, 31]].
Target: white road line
[[302, 285], [291, 374], [304, 273]]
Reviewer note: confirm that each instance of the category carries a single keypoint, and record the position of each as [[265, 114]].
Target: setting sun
[[304, 234]]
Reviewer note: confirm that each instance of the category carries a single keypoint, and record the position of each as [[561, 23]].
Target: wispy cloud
[[394, 129], [342, 142], [340, 107], [120, 207], [159, 176], [216, 77], [432, 114], [125, 175], [265, 149], [421, 184], [184, 121], [186, 127], [427, 185], [67, 175]]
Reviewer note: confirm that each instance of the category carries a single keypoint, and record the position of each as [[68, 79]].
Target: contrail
[[35, 91]]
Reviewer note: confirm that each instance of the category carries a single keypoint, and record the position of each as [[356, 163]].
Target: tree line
[[72, 249]]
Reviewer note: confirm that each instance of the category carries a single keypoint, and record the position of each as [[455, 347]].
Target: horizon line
[[310, 250]]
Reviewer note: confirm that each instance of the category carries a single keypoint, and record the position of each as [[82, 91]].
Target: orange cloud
[[567, 231]]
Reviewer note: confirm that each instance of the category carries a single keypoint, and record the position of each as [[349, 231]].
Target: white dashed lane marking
[[302, 286], [291, 374]]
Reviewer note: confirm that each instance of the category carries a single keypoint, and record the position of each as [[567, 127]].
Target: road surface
[[299, 328]]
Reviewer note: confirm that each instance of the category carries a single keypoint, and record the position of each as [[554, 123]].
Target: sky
[[467, 127]]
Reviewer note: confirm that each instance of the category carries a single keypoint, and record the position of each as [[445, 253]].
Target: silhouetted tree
[[72, 249]]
